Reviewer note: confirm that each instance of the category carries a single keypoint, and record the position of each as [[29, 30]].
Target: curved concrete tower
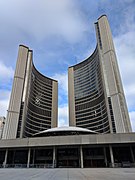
[[96, 96], [33, 103]]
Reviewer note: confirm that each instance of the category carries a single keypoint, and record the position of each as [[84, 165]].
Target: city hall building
[[99, 132]]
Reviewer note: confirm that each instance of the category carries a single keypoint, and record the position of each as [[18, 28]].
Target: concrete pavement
[[68, 174]]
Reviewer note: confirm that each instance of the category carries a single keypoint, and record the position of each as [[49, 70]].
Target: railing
[[26, 166], [41, 166], [124, 164], [13, 166]]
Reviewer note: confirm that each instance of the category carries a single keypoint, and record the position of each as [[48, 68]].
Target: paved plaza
[[68, 174]]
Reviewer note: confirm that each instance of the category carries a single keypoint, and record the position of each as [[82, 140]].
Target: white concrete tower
[[113, 84], [96, 96], [33, 105]]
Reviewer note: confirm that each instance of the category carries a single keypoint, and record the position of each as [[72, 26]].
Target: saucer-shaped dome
[[63, 131]]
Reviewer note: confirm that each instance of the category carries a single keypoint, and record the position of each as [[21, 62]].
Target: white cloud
[[130, 95], [4, 101], [62, 82], [125, 48], [132, 118], [6, 73], [62, 93], [63, 115], [43, 18]]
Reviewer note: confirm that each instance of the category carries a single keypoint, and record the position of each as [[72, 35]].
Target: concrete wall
[[70, 140], [71, 97], [10, 129], [54, 118], [111, 75]]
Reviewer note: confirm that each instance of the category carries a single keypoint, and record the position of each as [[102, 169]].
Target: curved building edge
[[90, 109], [86, 59]]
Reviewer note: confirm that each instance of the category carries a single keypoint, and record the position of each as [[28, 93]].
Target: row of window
[[84, 63], [38, 110], [20, 120], [93, 108], [42, 99], [41, 78], [37, 122], [99, 109], [30, 131], [85, 72], [88, 78], [96, 88], [88, 105], [94, 121], [101, 129], [38, 118], [92, 117], [38, 105], [99, 37], [111, 114], [39, 84], [39, 115], [90, 97], [37, 125], [102, 122], [39, 90], [86, 87]]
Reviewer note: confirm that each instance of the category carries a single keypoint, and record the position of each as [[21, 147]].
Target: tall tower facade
[[33, 103], [96, 96]]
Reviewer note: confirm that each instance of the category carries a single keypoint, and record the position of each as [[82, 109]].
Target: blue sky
[[61, 33]]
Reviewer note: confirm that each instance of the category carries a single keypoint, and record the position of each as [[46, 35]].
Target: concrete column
[[54, 118], [105, 158], [71, 97], [54, 157], [132, 154], [11, 125], [33, 156], [28, 160], [5, 160], [111, 155], [81, 156]]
